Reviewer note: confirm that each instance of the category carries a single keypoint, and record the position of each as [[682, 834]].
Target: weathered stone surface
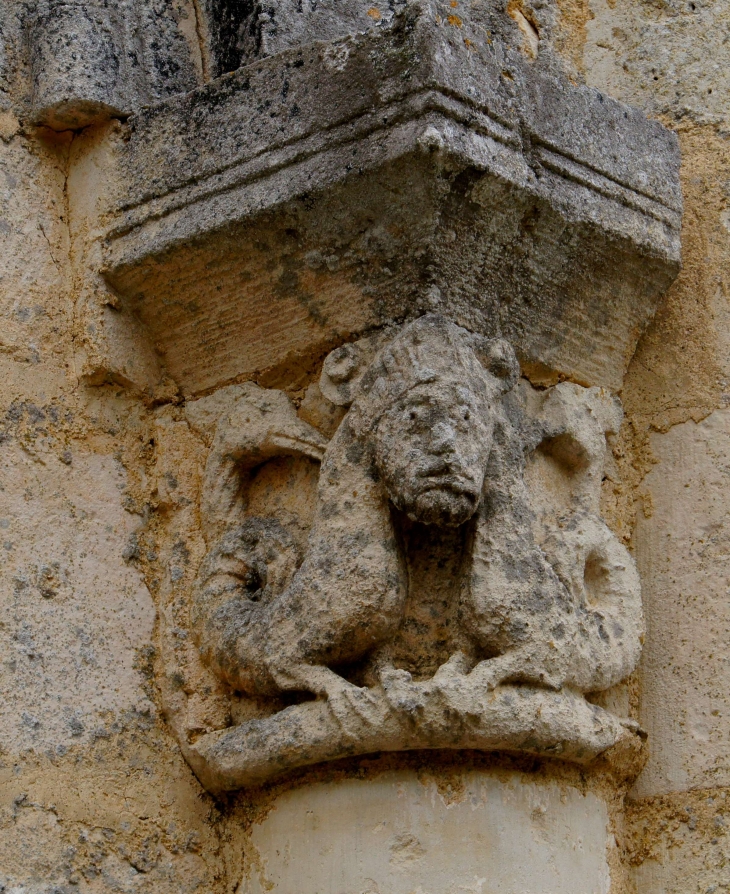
[[120, 809], [239, 33], [400, 833], [671, 59], [453, 550], [680, 842], [679, 549], [668, 58], [340, 186], [441, 714], [76, 619], [94, 60], [94, 794]]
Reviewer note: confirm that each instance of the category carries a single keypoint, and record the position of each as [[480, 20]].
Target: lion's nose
[[443, 438]]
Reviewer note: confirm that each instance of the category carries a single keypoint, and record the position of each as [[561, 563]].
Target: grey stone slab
[[94, 60], [239, 33], [382, 175]]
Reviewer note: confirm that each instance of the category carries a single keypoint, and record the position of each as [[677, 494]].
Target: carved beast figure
[[430, 434]]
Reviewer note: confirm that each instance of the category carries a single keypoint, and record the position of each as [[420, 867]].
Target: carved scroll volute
[[259, 425]]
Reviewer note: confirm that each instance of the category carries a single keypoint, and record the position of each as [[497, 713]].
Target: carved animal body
[[435, 428]]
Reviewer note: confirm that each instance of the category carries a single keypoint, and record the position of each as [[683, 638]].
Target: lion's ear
[[498, 357], [344, 367]]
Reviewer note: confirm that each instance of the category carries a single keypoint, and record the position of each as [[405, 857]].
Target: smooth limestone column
[[401, 833]]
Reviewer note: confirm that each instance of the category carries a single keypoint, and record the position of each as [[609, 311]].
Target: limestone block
[[120, 815], [280, 26], [12, 51], [74, 614], [426, 165], [34, 248], [669, 58], [95, 60], [681, 551], [76, 66], [94, 796], [681, 843], [240, 33], [400, 834]]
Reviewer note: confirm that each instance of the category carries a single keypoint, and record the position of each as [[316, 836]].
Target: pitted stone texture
[[424, 166], [74, 614], [444, 714], [680, 549], [400, 834], [242, 32], [453, 585], [670, 58], [93, 60], [680, 842], [94, 795], [34, 245]]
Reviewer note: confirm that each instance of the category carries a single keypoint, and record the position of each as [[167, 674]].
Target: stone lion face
[[431, 449]]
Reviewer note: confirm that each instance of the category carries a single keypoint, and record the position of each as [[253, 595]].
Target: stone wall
[[95, 795], [669, 59], [102, 459]]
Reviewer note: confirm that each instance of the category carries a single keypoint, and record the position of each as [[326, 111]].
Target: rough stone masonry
[[363, 450]]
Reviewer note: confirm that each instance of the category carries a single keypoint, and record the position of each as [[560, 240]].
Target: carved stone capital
[[440, 578], [398, 539]]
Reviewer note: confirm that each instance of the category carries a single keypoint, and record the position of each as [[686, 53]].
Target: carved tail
[[259, 621]]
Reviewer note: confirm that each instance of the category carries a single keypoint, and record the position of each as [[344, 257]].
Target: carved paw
[[452, 679], [391, 677], [487, 675], [402, 694]]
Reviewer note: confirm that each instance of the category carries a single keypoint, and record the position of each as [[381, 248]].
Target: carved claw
[[512, 667], [313, 446], [402, 694], [487, 675], [381, 671], [390, 676], [457, 666], [353, 708], [633, 726]]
